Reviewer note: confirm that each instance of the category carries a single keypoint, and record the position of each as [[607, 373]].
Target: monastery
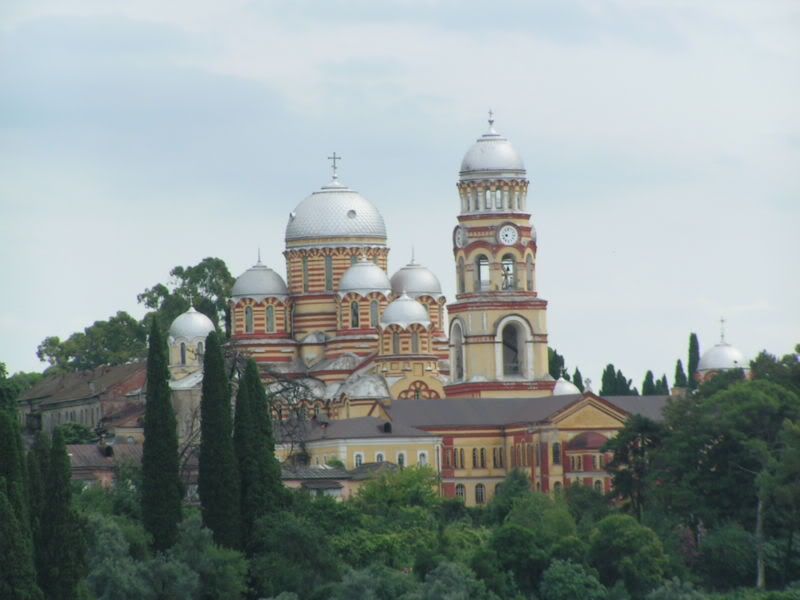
[[371, 368]]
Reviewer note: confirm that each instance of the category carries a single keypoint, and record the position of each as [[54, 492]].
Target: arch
[[200, 350], [248, 320], [556, 453], [461, 491], [509, 264], [355, 320], [401, 459], [422, 458], [513, 348], [374, 317], [557, 487], [457, 351], [529, 273], [460, 275], [418, 390], [482, 273], [270, 319], [480, 493], [379, 457], [183, 353], [512, 353], [358, 459], [395, 342], [483, 458]]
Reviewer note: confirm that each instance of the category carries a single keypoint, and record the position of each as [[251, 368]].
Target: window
[[482, 281], [480, 493], [457, 340], [414, 342], [460, 275], [379, 457], [475, 458], [248, 319], [594, 462], [401, 459], [501, 453], [422, 459], [557, 487], [395, 343], [511, 353], [373, 313], [529, 273], [461, 458], [359, 459], [270, 319], [483, 458], [461, 491], [328, 273], [305, 273], [183, 353], [598, 485], [354, 316], [509, 272], [199, 350], [556, 453], [495, 461]]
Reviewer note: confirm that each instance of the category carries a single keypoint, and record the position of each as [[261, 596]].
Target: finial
[[587, 385], [333, 160], [491, 118], [412, 255], [259, 256], [722, 330]]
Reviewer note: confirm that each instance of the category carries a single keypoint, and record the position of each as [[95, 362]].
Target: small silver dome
[[416, 280], [565, 388], [405, 311], [364, 277], [259, 282], [491, 157], [191, 325], [722, 357], [335, 211]]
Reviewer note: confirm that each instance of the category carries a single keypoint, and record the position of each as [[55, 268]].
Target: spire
[[258, 262], [491, 123], [722, 330], [413, 260]]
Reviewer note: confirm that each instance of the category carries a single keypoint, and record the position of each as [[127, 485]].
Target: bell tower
[[498, 325]]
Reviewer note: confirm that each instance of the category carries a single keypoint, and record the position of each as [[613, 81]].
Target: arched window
[[482, 277], [305, 273], [270, 319], [598, 485], [183, 353], [373, 313], [423, 459], [414, 342], [509, 272], [401, 459], [248, 319], [354, 316], [353, 260], [328, 273], [200, 350], [359, 459], [556, 453], [395, 343], [461, 458], [379, 457], [511, 350], [457, 339], [460, 275], [483, 458], [475, 463], [480, 493], [557, 487], [461, 491], [529, 273]]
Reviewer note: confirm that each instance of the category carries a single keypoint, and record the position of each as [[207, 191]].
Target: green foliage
[[452, 581], [662, 386], [587, 506], [675, 589], [565, 580], [61, 559], [162, 490], [577, 379], [518, 551], [680, 375], [516, 485], [116, 341], [207, 285], [374, 583], [622, 549], [13, 468], [694, 360], [75, 433], [392, 490], [649, 384], [11, 387], [17, 574], [555, 364], [218, 481], [727, 558], [614, 383], [784, 371]]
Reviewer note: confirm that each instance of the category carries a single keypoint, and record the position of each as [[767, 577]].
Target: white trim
[[420, 454], [527, 348]]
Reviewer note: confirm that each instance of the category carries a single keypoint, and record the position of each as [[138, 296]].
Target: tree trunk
[[760, 543]]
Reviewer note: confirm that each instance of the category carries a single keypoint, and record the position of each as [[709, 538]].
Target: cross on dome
[[333, 160], [722, 322]]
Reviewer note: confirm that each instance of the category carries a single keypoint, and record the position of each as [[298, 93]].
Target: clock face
[[508, 235], [459, 236]]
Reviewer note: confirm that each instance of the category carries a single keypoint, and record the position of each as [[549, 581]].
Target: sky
[[661, 139]]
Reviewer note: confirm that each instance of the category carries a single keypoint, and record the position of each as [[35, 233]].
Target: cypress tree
[[680, 375], [246, 442], [623, 385], [649, 384], [161, 485], [577, 379], [608, 386], [218, 479], [270, 468], [662, 387], [694, 359], [62, 553], [17, 575]]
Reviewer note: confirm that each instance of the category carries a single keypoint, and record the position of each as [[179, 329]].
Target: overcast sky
[[662, 141]]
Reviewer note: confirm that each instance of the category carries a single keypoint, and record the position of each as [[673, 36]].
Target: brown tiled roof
[[92, 456], [77, 386], [651, 407], [359, 427]]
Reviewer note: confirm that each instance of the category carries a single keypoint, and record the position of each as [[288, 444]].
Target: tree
[[452, 581], [392, 490], [13, 468], [117, 341], [565, 580], [727, 558], [662, 386], [614, 383], [694, 360], [17, 575], [12, 387], [649, 384], [633, 447], [75, 433], [577, 379], [207, 285], [374, 582], [587, 506], [680, 375], [621, 548], [516, 485], [162, 490], [555, 364], [62, 557], [785, 371], [218, 478], [675, 589]]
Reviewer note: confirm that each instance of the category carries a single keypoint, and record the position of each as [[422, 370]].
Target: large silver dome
[[416, 280], [335, 211], [722, 357], [365, 277], [191, 325], [492, 157], [405, 311], [259, 282]]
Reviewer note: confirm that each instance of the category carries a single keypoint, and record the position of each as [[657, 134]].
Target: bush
[[675, 589], [565, 580], [727, 558]]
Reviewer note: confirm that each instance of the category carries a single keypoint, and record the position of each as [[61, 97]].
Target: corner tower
[[498, 325]]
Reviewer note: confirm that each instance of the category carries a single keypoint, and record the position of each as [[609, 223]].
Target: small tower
[[187, 341], [498, 326]]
